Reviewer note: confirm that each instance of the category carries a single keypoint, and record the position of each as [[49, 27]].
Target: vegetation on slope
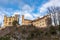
[[30, 32]]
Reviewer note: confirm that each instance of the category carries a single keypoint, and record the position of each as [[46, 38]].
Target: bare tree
[[54, 12]]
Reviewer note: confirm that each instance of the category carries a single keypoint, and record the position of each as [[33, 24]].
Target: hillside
[[29, 33]]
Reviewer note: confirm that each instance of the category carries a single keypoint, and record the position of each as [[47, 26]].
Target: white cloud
[[16, 13], [28, 15], [27, 12], [27, 8], [2, 13], [37, 15], [50, 3]]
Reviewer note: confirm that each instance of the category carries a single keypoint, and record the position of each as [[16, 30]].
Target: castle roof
[[40, 18], [27, 19]]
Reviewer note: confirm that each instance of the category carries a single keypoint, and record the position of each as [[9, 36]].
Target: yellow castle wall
[[25, 22], [8, 20], [43, 22]]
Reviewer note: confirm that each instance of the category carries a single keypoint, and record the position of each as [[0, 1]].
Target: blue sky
[[31, 9], [17, 5]]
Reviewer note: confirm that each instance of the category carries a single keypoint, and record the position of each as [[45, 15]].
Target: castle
[[45, 21], [39, 22], [8, 20]]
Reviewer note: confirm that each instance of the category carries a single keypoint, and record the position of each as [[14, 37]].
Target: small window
[[43, 20], [6, 22], [10, 19], [37, 23], [9, 22], [42, 24]]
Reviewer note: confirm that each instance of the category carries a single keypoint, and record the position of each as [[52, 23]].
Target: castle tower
[[5, 20], [22, 19], [8, 20], [17, 17]]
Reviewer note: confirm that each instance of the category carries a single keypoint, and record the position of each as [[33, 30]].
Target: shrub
[[52, 30], [15, 23]]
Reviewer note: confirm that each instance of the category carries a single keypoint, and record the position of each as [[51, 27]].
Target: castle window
[[42, 24], [10, 19], [9, 22], [6, 22], [37, 23], [43, 21]]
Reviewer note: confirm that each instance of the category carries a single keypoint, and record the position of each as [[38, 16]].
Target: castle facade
[[45, 21], [39, 22], [8, 20]]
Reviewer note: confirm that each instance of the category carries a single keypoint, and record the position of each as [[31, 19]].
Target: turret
[[5, 19], [22, 19], [5, 16], [17, 17]]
